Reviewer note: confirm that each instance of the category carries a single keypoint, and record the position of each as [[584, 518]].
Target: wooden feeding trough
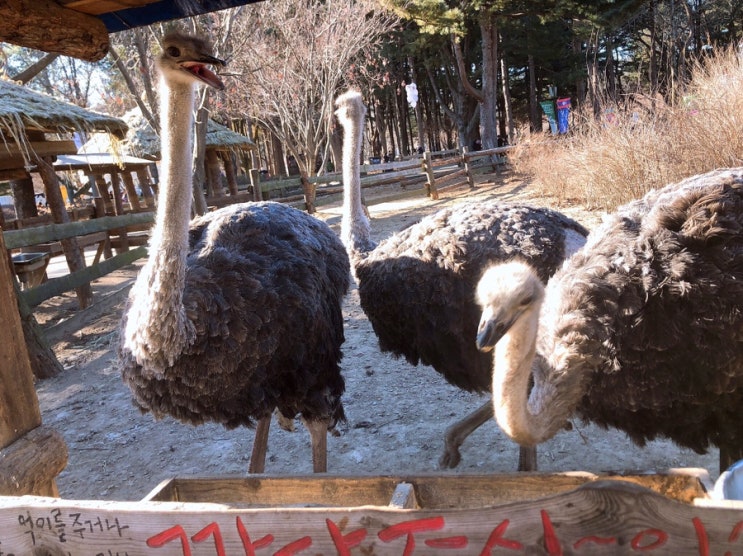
[[570, 513], [30, 268]]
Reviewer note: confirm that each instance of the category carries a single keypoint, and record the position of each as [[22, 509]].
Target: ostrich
[[416, 287], [642, 330], [238, 313]]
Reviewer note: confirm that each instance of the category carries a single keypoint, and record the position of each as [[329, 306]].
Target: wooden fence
[[126, 233]]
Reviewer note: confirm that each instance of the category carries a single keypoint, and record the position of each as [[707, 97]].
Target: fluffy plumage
[[642, 330], [238, 312], [417, 286]]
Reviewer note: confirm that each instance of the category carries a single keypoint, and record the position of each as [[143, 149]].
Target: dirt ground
[[397, 413]]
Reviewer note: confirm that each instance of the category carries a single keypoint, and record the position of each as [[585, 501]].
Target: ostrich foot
[[260, 446], [457, 433], [527, 458], [319, 436]]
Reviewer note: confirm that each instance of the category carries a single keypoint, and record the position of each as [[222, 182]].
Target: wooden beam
[[97, 7], [25, 237], [41, 148], [45, 25], [13, 174], [79, 278]]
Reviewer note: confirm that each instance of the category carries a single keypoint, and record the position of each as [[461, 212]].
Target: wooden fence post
[[31, 456], [431, 179], [255, 181], [145, 184], [467, 170]]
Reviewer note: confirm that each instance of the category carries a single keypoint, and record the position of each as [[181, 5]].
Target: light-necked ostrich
[[417, 286], [642, 329], [238, 313]]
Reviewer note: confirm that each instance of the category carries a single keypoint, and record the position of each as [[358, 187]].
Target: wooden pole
[[131, 191], [426, 163], [255, 181], [230, 171], [467, 170], [72, 251], [21, 449], [145, 184]]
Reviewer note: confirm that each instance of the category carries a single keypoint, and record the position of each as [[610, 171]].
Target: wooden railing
[[434, 171]]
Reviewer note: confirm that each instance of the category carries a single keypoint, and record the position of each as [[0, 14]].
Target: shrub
[[652, 143]]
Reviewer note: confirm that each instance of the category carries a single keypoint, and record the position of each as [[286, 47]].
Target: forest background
[[654, 84]]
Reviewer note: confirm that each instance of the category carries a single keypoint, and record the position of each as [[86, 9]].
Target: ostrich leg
[[527, 458], [260, 445], [457, 433], [319, 436]]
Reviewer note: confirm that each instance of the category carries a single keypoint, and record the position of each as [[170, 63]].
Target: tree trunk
[[34, 69], [44, 362], [309, 190], [507, 104], [534, 116], [489, 108], [653, 54]]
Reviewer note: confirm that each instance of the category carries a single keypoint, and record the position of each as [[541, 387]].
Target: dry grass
[[651, 145]]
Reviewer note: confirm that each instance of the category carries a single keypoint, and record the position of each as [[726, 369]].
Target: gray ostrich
[[239, 312], [642, 330], [417, 286]]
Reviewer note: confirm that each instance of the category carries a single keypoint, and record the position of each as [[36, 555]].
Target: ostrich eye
[[173, 51]]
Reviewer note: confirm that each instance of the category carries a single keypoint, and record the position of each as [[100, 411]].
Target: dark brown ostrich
[[417, 287], [642, 329], [238, 312]]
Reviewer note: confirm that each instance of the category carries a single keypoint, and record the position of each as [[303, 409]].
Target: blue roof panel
[[164, 10]]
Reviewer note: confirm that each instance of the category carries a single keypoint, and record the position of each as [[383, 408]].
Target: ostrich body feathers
[[417, 287], [647, 319], [263, 289]]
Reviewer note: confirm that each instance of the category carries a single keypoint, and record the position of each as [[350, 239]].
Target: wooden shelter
[[34, 129], [223, 146]]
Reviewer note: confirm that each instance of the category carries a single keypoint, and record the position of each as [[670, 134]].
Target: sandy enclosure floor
[[397, 413]]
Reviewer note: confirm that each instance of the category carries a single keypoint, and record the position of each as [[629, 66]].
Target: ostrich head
[[350, 108], [184, 59], [505, 292]]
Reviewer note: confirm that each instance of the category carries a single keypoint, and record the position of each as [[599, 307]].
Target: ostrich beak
[[198, 69], [493, 326]]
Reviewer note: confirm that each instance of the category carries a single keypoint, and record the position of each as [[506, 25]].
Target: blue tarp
[[165, 10]]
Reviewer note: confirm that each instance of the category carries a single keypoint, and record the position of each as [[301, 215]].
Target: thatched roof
[[22, 110], [144, 142]]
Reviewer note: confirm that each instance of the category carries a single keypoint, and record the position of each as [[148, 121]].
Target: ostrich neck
[[174, 197], [157, 326], [355, 227], [528, 418]]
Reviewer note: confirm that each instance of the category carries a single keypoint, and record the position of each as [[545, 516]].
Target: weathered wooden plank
[[433, 490], [602, 517], [55, 232], [41, 148], [57, 286], [28, 464], [44, 25], [19, 407]]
